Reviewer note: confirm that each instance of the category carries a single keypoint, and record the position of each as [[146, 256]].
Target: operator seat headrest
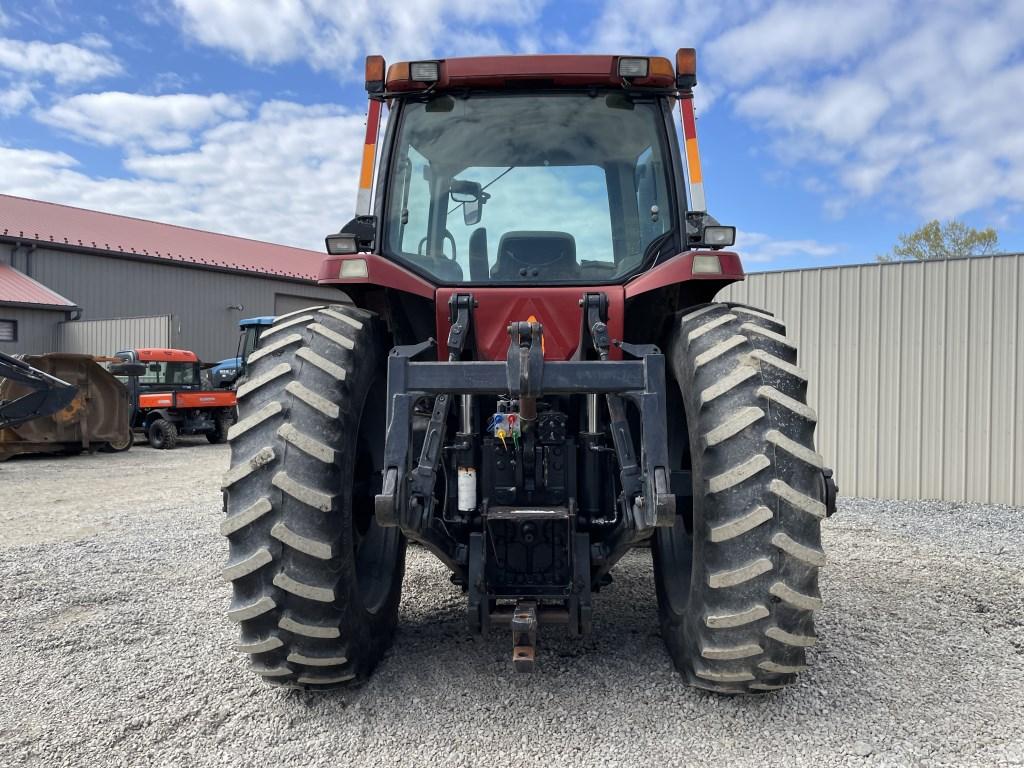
[[536, 256]]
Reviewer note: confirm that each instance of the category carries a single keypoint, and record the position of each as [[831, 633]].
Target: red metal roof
[[19, 288], [36, 220]]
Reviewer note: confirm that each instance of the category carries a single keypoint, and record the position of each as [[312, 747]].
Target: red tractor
[[531, 379]]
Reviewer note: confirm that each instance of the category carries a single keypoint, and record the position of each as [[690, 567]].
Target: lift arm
[[47, 394]]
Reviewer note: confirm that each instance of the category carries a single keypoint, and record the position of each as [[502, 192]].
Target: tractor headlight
[[353, 268], [706, 264]]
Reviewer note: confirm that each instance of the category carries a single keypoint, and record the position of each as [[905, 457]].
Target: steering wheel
[[447, 236]]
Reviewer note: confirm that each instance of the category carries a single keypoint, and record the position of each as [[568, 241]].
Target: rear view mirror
[[472, 196], [127, 369], [154, 367], [465, 191]]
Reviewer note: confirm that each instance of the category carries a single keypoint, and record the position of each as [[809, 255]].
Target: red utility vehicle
[[169, 399], [532, 378]]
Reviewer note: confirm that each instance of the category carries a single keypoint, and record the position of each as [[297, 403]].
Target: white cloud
[[286, 175], [914, 100], [165, 122], [16, 98], [923, 111], [759, 248], [65, 62], [95, 41], [335, 36], [789, 36], [653, 26], [843, 110]]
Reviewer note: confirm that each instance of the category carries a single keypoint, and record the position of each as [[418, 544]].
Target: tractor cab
[[511, 170], [164, 370], [225, 373]]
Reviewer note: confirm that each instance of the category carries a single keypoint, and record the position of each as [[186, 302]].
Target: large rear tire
[[738, 586], [316, 581]]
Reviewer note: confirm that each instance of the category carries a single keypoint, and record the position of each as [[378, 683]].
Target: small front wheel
[[162, 434], [123, 443]]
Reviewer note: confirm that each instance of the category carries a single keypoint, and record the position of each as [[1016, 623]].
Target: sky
[[826, 129]]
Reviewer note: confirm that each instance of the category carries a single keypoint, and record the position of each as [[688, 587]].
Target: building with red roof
[[66, 272]]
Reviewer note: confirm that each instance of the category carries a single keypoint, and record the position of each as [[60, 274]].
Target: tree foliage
[[935, 240]]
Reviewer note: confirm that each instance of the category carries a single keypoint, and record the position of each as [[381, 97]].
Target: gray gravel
[[114, 649]]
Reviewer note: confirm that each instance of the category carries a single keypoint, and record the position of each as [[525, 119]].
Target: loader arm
[[47, 394]]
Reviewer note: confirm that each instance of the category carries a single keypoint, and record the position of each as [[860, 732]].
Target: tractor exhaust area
[[114, 649]]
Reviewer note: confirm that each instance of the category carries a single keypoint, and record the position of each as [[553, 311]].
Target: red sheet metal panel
[[18, 288], [35, 220], [556, 308], [208, 399], [157, 400]]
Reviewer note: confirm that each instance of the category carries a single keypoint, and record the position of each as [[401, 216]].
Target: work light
[[718, 236], [341, 244], [633, 67], [424, 71]]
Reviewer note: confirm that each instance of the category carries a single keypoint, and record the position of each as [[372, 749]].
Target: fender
[[149, 416], [679, 269], [379, 272]]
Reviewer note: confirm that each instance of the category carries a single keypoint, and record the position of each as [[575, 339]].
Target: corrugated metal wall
[[35, 329], [916, 371], [104, 337], [204, 302]]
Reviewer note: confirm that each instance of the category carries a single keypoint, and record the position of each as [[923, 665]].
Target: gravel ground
[[114, 649]]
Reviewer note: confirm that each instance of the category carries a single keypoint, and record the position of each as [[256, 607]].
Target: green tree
[[951, 240]]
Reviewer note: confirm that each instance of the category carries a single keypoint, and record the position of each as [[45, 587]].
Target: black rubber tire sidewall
[[162, 434]]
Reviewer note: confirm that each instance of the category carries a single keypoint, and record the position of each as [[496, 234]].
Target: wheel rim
[[374, 547], [674, 546], [675, 550]]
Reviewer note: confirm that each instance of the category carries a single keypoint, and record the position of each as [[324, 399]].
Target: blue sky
[[826, 128]]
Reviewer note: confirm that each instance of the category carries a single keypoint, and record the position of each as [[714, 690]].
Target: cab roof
[[532, 71], [157, 355]]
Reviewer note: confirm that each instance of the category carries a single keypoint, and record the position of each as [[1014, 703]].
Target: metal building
[[151, 284], [916, 370]]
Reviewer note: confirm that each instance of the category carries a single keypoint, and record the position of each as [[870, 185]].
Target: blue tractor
[[225, 373]]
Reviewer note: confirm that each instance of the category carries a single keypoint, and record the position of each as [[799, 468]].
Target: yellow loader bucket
[[98, 417]]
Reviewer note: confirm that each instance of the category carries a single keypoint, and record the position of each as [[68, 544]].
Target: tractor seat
[[532, 256]]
